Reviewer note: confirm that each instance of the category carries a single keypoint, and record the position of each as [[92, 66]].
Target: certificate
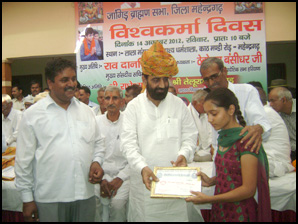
[[175, 182]]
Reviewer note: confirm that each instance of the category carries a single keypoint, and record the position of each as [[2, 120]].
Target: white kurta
[[153, 136], [10, 126], [114, 165], [277, 147], [204, 129]]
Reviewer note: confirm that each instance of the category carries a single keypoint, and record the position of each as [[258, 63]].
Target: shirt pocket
[[85, 131], [172, 127]]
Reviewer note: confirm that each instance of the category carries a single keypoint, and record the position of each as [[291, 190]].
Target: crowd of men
[[77, 160]]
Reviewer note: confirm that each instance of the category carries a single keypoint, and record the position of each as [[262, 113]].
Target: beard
[[157, 93]]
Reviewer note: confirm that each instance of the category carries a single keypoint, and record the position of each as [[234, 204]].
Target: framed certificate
[[175, 182]]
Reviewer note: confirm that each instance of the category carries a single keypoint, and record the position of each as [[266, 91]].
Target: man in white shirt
[[101, 101], [84, 97], [277, 147], [11, 119], [18, 100], [60, 152], [114, 187], [35, 88], [157, 130], [204, 150], [281, 101], [215, 75]]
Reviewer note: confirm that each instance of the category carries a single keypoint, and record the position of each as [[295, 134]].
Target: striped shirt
[[290, 121]]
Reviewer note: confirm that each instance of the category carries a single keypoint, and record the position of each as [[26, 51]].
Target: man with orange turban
[[158, 130]]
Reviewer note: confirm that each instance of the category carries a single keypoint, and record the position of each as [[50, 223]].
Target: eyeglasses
[[212, 77]]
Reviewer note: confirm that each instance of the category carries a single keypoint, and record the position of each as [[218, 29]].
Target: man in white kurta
[[11, 119], [258, 127], [277, 147], [204, 146], [115, 182], [157, 130]]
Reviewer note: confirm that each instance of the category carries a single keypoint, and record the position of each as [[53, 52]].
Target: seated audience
[[282, 83], [18, 100], [277, 147], [281, 100], [84, 97], [114, 187], [204, 150], [10, 121], [101, 101]]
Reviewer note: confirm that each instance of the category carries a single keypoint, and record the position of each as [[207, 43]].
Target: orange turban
[[157, 61]]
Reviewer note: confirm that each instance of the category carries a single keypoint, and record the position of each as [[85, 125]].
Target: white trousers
[[115, 209]]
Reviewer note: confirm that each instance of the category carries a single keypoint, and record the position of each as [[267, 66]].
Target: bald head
[[280, 100]]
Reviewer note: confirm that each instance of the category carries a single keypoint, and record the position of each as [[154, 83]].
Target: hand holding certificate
[[175, 182]]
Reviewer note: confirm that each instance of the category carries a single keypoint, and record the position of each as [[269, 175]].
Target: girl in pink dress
[[238, 171]]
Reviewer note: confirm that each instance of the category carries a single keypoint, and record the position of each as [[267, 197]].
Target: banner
[[190, 31]]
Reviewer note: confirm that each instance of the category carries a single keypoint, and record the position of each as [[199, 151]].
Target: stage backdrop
[[190, 31]]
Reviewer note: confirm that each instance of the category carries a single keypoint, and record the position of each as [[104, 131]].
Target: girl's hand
[[199, 198], [206, 182]]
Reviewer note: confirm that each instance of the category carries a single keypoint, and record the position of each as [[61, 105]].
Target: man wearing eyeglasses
[[258, 127]]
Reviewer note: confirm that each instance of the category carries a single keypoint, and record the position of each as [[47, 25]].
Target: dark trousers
[[76, 211]]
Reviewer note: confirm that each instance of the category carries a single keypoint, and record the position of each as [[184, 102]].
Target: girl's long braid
[[239, 116]]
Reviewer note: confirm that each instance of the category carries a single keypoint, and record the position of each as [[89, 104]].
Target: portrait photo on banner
[[90, 43]]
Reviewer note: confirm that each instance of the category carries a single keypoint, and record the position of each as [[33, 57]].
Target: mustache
[[111, 106], [163, 89], [215, 84], [70, 88]]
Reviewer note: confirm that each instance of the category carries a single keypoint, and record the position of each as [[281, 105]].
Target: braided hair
[[223, 97]]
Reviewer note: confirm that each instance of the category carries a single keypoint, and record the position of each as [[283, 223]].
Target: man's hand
[[95, 173], [181, 161], [211, 150], [30, 212], [254, 135], [93, 50], [105, 188], [148, 176], [115, 185]]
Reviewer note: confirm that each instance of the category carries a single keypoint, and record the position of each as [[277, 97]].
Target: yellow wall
[[48, 28], [280, 18]]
